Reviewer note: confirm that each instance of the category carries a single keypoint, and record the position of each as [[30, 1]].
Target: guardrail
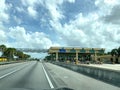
[[106, 75]]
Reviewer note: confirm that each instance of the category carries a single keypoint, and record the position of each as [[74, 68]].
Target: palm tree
[[119, 52], [19, 54], [9, 52], [115, 53], [25, 56], [2, 49]]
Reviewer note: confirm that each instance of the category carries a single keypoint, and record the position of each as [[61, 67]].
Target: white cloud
[[20, 9], [91, 30], [51, 5], [96, 29], [71, 1], [111, 2], [22, 39], [29, 2], [32, 12], [114, 16], [3, 8], [30, 5], [105, 6], [18, 21], [3, 36], [31, 40], [4, 17]]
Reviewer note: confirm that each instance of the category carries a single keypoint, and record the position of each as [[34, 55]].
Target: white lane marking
[[49, 81], [11, 72]]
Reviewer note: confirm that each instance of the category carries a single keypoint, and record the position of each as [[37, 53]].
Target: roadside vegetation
[[13, 54], [115, 53]]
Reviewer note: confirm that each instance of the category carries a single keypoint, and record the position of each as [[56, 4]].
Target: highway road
[[28, 75], [45, 76]]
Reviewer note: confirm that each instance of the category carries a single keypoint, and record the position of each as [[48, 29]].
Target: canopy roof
[[75, 49]]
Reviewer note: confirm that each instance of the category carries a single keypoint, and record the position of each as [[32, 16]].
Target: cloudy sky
[[46, 23]]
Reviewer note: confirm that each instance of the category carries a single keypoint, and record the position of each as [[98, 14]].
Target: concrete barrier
[[106, 75], [4, 63], [10, 62]]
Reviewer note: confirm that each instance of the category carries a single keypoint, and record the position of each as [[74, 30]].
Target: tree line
[[10, 53], [115, 53]]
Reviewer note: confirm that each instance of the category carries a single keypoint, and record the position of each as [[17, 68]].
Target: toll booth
[[74, 54]]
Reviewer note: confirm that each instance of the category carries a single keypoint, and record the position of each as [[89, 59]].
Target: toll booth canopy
[[74, 53]]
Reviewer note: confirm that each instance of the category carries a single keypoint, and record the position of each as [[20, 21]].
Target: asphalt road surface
[[29, 75], [38, 76]]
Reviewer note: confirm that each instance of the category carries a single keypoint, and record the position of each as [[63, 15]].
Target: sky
[[46, 23]]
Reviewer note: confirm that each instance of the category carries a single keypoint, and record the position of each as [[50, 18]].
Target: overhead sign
[[82, 50], [73, 50], [92, 51], [62, 50]]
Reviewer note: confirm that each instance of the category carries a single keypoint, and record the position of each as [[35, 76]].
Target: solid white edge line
[[11, 72], [49, 81], [8, 74]]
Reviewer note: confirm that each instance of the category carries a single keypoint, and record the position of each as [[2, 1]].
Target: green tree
[[21, 55], [26, 56], [3, 49], [115, 52], [119, 52], [9, 52]]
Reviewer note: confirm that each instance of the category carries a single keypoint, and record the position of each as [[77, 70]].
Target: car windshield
[[59, 44]]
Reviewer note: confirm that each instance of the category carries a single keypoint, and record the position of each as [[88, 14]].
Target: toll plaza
[[75, 54]]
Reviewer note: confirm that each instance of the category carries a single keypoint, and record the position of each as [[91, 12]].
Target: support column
[[76, 62], [95, 56], [51, 57], [56, 56], [114, 58]]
